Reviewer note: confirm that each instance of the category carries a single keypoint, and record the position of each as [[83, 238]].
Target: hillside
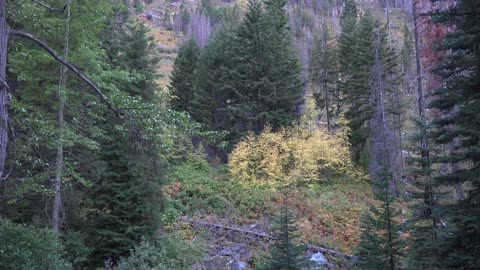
[[223, 134]]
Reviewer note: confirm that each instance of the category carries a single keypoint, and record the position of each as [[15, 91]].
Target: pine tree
[[356, 59], [381, 246], [286, 252], [325, 69], [127, 196], [136, 57], [263, 85], [458, 101], [182, 77], [211, 94], [124, 212]]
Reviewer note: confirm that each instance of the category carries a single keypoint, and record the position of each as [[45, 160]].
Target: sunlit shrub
[[291, 156]]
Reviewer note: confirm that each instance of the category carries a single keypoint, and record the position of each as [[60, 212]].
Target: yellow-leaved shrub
[[291, 156]]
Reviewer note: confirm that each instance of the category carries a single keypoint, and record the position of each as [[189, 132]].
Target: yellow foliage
[[291, 156]]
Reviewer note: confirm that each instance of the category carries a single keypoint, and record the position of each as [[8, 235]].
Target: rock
[[231, 256], [319, 259], [239, 265], [233, 249]]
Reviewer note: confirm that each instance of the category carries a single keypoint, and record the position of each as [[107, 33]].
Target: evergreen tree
[[356, 59], [286, 252], [211, 94], [325, 69], [127, 196], [380, 244], [182, 77], [124, 211], [263, 85], [458, 101], [136, 57]]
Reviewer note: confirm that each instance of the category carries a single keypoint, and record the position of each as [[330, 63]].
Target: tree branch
[[50, 8], [77, 72]]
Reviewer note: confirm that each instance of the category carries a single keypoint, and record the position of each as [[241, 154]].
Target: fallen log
[[265, 235]]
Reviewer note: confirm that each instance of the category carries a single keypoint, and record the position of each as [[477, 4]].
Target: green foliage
[[168, 251], [286, 253], [247, 75], [126, 199], [324, 62], [76, 252], [381, 245], [457, 100], [263, 83], [182, 77], [197, 189], [30, 247]]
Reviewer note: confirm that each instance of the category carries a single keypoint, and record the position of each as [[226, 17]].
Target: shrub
[[169, 251], [30, 247], [291, 156], [195, 188]]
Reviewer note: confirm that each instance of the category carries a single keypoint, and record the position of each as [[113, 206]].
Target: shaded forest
[[259, 134]]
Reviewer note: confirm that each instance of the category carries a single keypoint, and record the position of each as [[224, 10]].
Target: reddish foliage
[[431, 33]]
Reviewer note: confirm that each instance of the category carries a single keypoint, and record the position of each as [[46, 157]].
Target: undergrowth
[[328, 212]]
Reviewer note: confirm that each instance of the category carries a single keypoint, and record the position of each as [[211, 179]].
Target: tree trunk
[[325, 79], [428, 189], [61, 126], [4, 97]]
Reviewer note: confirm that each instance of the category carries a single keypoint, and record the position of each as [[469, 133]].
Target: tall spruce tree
[[324, 64], [182, 78], [380, 244], [356, 58], [263, 84], [127, 197], [458, 101], [211, 92]]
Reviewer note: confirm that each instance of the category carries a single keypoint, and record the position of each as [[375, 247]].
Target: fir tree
[[325, 69], [263, 85], [286, 252], [458, 101], [356, 60], [211, 94], [380, 244], [182, 78], [124, 211], [127, 197]]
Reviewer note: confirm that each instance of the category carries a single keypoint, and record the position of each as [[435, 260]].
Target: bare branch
[[50, 8]]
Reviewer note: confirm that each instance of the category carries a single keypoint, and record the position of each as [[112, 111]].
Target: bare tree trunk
[[387, 16], [325, 78], [57, 202], [4, 98]]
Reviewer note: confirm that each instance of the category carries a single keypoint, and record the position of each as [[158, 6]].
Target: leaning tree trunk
[[57, 201], [4, 98]]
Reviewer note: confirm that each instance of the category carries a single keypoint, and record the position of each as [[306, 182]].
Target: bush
[[30, 247], [170, 251], [291, 156], [195, 188]]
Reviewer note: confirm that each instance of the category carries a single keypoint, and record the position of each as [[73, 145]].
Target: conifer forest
[[239, 134]]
